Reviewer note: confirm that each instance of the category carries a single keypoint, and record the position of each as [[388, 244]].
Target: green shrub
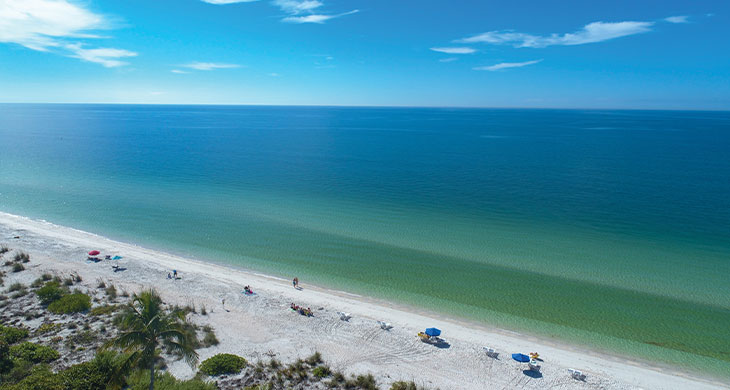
[[223, 363], [72, 303], [21, 257], [34, 378], [403, 385], [209, 339], [17, 267], [111, 292], [12, 335], [82, 338], [321, 371], [315, 359], [94, 374], [364, 382], [104, 310], [35, 353], [4, 249], [68, 282], [140, 380], [50, 293], [48, 327]]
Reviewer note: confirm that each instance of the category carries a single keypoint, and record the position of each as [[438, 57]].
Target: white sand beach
[[262, 325]]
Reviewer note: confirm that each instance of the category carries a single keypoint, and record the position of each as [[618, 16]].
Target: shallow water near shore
[[607, 228]]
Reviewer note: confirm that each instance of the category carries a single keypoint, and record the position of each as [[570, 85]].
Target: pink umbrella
[[94, 253]]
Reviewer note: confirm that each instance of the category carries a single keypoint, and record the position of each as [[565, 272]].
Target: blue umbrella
[[433, 332], [520, 357], [116, 258]]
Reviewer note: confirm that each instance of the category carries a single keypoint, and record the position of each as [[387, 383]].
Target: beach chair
[[491, 352], [533, 365], [575, 374], [384, 325]]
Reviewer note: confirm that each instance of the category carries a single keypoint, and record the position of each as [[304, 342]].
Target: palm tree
[[145, 326]]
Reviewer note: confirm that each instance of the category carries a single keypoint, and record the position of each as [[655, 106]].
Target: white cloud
[[274, 74], [178, 71], [454, 50], [297, 6], [677, 19], [303, 11], [506, 65], [221, 2], [105, 56], [316, 18], [209, 66], [450, 59], [590, 33], [58, 26]]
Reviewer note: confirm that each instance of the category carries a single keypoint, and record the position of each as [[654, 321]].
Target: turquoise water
[[608, 228]]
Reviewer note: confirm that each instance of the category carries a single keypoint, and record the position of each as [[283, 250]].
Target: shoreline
[[209, 282]]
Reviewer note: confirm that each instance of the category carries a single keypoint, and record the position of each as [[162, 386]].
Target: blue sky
[[619, 54]]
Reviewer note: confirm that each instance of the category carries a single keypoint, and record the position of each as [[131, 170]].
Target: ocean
[[608, 229]]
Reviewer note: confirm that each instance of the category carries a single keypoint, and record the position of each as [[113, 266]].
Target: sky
[[670, 54]]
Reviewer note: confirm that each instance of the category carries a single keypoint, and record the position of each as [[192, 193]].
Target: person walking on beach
[[295, 282], [174, 274]]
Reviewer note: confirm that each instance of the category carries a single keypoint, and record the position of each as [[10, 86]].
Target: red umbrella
[[94, 253]]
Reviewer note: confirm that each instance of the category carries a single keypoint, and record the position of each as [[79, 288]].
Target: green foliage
[[104, 310], [16, 287], [48, 327], [403, 385], [4, 249], [68, 282], [145, 325], [111, 292], [12, 335], [315, 359], [222, 363], [363, 382], [50, 293], [17, 267], [72, 303], [209, 339], [37, 378], [321, 371], [21, 257], [34, 353], [82, 338], [96, 374], [139, 380]]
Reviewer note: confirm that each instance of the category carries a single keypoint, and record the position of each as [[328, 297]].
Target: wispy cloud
[[454, 50], [178, 71], [297, 7], [590, 33], [58, 26], [105, 56], [220, 2], [209, 66], [450, 59], [306, 11], [507, 65], [316, 18], [677, 19]]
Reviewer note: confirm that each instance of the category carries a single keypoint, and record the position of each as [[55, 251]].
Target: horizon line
[[374, 106]]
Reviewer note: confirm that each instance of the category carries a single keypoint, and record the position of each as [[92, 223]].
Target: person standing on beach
[[295, 282]]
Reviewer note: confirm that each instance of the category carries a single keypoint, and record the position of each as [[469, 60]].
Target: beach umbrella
[[94, 253], [520, 357], [117, 258], [433, 332]]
